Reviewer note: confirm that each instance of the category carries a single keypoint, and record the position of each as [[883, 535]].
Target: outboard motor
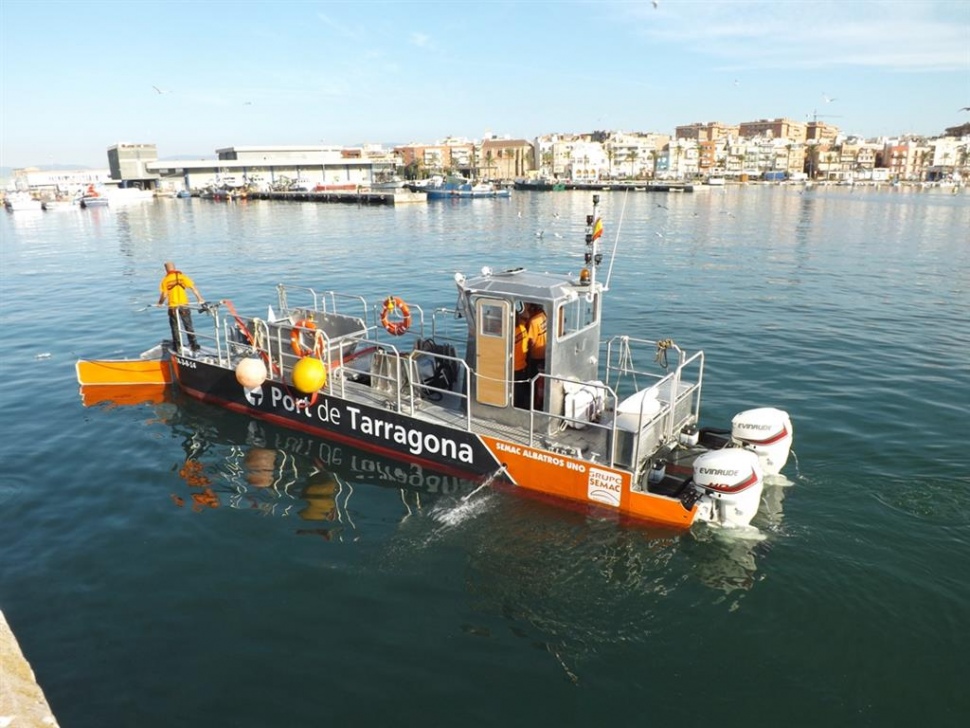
[[768, 432], [731, 482]]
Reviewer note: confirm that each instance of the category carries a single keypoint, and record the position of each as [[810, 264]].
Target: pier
[[620, 186], [362, 196], [22, 702]]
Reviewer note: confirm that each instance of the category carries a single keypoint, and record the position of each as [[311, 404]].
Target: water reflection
[[329, 489], [332, 489]]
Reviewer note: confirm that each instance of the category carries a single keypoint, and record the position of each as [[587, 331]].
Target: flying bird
[[965, 108], [159, 91], [828, 99], [656, 4]]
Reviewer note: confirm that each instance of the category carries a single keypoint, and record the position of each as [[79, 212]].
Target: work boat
[[611, 425]]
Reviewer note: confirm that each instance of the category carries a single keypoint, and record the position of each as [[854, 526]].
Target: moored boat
[[21, 202], [611, 425], [462, 187], [93, 197]]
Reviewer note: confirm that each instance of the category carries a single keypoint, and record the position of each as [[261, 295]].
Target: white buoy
[[251, 372]]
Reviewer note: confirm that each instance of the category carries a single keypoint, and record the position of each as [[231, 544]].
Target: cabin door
[[493, 348]]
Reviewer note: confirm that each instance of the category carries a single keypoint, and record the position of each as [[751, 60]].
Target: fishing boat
[[610, 425], [453, 187]]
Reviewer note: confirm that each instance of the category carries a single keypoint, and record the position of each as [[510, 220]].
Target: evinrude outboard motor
[[768, 432], [731, 482]]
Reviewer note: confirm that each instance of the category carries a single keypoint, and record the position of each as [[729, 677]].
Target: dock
[[624, 186], [362, 196], [22, 702]]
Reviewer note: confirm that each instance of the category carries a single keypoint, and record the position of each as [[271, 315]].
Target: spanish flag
[[597, 228]]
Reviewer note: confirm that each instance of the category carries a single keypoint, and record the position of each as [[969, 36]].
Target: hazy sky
[[78, 77]]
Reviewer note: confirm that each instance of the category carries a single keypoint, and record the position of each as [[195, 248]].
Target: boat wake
[[452, 516]]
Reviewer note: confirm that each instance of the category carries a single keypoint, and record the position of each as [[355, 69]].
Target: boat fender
[[309, 375], [251, 372], [296, 338], [396, 327]]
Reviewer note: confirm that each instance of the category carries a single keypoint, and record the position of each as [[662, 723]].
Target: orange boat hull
[[124, 372]]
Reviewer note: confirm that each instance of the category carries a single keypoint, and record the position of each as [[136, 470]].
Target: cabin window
[[576, 315], [492, 318]]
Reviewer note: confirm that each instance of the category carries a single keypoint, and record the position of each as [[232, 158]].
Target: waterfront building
[[633, 156], [450, 155], [949, 155], [906, 159], [680, 160], [506, 159], [128, 163], [581, 160], [278, 167], [54, 182]]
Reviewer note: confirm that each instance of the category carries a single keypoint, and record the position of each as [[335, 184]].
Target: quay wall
[[22, 702]]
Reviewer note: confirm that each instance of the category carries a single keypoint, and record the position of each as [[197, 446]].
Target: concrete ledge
[[22, 702]]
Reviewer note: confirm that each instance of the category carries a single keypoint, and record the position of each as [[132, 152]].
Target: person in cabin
[[174, 288], [536, 333], [521, 362]]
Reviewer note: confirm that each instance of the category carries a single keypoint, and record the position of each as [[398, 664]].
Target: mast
[[593, 256]]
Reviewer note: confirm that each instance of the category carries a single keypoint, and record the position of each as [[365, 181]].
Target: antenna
[[815, 116], [593, 257]]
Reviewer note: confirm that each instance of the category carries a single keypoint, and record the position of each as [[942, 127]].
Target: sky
[[193, 77]]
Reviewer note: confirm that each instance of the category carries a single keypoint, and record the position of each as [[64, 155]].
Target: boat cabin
[[493, 303]]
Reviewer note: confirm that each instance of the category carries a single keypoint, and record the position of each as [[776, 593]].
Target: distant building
[[506, 159], [451, 155], [710, 131], [128, 164], [278, 167], [819, 131], [52, 182], [776, 128]]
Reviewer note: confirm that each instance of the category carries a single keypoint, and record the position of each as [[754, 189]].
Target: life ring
[[396, 328], [296, 339]]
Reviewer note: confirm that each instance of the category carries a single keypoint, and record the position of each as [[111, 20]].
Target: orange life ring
[[296, 339], [395, 328]]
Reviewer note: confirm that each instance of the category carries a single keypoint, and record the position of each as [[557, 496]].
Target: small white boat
[[91, 197], [21, 201]]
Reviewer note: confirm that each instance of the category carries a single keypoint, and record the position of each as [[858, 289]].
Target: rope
[[662, 347]]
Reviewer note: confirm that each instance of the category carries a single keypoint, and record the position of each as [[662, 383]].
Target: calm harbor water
[[172, 564]]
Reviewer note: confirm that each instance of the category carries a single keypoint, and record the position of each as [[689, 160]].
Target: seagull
[[540, 233], [736, 82], [663, 206], [965, 108], [656, 4], [827, 99], [247, 103], [159, 91], [558, 235]]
